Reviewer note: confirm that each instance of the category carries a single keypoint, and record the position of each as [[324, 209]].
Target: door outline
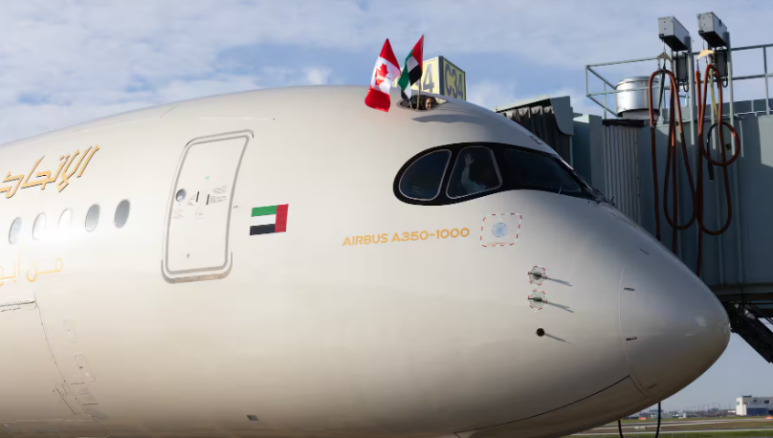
[[57, 425], [210, 273]]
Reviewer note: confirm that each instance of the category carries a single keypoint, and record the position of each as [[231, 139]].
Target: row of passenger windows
[[479, 169], [65, 219]]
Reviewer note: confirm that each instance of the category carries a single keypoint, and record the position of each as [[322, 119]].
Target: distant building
[[754, 406]]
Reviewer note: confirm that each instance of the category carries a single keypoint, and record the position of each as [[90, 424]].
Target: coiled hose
[[697, 189], [705, 153]]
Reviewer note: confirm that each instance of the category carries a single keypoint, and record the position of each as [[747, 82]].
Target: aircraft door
[[35, 401], [197, 239]]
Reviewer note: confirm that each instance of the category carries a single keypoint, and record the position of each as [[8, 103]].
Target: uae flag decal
[[267, 220]]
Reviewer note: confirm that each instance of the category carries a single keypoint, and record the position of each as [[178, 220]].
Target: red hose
[[704, 152], [671, 158]]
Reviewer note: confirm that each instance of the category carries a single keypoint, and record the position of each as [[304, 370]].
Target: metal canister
[[635, 104]]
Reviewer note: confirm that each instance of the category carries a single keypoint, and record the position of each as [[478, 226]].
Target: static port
[[537, 299], [537, 275]]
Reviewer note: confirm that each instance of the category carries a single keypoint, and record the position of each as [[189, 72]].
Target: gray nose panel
[[672, 325]]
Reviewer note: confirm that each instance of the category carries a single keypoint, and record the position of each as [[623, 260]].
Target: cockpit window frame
[[442, 177], [589, 193]]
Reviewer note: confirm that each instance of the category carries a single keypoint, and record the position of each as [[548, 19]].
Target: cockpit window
[[540, 172], [475, 171], [455, 173], [422, 179]]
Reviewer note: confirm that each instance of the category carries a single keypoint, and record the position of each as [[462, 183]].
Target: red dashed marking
[[517, 231], [543, 280], [544, 296]]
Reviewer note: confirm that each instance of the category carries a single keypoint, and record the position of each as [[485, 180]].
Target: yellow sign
[[440, 76], [44, 178], [430, 78], [454, 81]]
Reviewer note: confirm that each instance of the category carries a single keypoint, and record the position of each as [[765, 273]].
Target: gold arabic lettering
[[32, 273], [65, 176], [63, 159], [37, 181], [13, 277], [87, 159], [7, 189], [43, 178], [58, 265]]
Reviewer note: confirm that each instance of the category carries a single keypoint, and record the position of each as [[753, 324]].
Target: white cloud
[[182, 90], [318, 76], [490, 94], [71, 61]]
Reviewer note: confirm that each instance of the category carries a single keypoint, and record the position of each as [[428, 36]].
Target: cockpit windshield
[[423, 178], [482, 169], [540, 172]]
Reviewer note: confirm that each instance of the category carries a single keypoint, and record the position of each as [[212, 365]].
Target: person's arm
[[467, 183]]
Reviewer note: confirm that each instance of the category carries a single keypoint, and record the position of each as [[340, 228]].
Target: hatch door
[[197, 243]]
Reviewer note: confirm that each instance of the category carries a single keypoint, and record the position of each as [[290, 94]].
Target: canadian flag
[[384, 74]]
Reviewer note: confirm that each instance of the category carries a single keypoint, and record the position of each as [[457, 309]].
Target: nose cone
[[674, 328]]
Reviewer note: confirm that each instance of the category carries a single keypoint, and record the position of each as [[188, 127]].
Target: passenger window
[[39, 226], [122, 214], [92, 218], [422, 179], [65, 219], [475, 171], [13, 234], [537, 171]]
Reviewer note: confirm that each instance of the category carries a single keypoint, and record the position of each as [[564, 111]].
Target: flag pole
[[418, 98]]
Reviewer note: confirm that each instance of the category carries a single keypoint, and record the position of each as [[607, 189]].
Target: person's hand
[[468, 160]]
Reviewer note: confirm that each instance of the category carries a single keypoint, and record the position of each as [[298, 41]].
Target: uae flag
[[387, 70], [271, 219], [412, 70]]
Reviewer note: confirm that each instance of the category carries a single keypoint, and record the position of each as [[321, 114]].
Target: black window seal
[[496, 168], [442, 177], [497, 149]]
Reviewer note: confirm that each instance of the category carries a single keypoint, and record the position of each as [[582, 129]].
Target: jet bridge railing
[[765, 75], [591, 95], [611, 89]]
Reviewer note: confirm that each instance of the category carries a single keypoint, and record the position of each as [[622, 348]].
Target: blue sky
[[71, 61]]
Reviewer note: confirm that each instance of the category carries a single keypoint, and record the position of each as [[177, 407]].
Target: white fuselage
[[184, 322]]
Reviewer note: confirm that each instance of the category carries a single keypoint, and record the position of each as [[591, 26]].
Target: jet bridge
[[737, 263], [615, 153]]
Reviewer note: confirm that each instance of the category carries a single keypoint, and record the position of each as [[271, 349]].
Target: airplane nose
[[674, 328]]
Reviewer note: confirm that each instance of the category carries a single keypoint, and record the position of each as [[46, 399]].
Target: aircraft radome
[[292, 263]]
